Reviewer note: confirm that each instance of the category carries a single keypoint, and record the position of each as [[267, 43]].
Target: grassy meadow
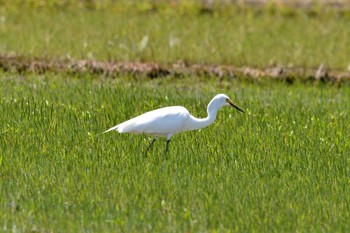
[[239, 37], [282, 166]]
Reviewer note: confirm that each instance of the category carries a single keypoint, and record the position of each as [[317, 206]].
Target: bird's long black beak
[[233, 105]]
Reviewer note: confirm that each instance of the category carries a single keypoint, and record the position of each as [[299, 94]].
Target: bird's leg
[[167, 146], [151, 144]]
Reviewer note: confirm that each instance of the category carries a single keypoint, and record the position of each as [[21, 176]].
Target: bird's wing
[[162, 122]]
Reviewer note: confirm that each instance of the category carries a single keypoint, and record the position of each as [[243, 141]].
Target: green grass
[[239, 37], [283, 166]]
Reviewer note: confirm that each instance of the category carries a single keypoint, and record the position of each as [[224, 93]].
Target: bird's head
[[223, 100]]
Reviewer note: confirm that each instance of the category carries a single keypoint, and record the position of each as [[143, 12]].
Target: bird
[[167, 121]]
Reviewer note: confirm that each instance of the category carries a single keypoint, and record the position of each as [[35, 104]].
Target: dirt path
[[154, 70]]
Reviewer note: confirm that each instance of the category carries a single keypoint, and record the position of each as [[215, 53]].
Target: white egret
[[165, 122]]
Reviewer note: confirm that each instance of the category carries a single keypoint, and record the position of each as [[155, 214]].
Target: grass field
[[250, 38], [283, 166]]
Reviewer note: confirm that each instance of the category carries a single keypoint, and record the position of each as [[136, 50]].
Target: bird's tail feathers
[[111, 129]]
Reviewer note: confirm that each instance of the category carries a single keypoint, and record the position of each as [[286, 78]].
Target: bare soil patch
[[11, 63]]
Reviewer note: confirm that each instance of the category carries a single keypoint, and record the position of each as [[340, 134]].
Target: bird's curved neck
[[198, 123]]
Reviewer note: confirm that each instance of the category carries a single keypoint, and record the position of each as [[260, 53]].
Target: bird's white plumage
[[165, 122], [162, 122]]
